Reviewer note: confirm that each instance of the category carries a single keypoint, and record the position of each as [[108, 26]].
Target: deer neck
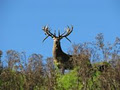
[[57, 50]]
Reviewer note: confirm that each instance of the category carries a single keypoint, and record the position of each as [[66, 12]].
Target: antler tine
[[68, 39], [45, 38], [47, 31], [68, 32], [59, 33], [55, 32]]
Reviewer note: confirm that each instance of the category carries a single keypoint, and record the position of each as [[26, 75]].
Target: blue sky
[[21, 22]]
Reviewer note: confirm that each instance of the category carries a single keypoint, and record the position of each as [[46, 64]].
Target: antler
[[48, 33], [67, 32]]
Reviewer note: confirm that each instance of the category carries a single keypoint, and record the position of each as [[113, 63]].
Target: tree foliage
[[96, 67]]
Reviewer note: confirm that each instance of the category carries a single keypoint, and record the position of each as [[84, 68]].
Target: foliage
[[96, 67], [68, 81]]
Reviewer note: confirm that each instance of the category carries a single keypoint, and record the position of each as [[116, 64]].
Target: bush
[[96, 67]]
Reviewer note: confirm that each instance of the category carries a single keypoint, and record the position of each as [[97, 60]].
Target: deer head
[[54, 36]]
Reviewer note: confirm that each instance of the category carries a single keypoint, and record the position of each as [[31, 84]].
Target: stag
[[63, 60]]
